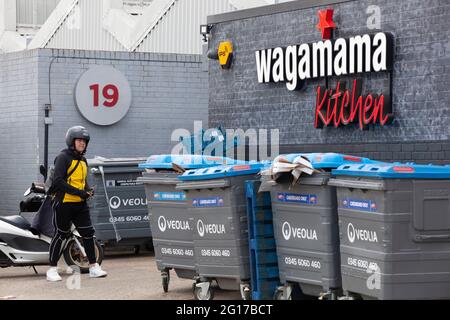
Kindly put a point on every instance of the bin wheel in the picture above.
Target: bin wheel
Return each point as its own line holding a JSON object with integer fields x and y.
{"x": 247, "y": 293}
{"x": 136, "y": 250}
{"x": 279, "y": 295}
{"x": 198, "y": 293}
{"x": 350, "y": 296}
{"x": 165, "y": 278}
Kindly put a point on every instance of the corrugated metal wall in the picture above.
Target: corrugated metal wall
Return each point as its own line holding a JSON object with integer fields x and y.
{"x": 179, "y": 30}
{"x": 34, "y": 12}
{"x": 83, "y": 30}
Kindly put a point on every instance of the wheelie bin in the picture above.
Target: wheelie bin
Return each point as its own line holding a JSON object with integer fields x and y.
{"x": 394, "y": 222}
{"x": 306, "y": 227}
{"x": 119, "y": 206}
{"x": 170, "y": 223}
{"x": 216, "y": 199}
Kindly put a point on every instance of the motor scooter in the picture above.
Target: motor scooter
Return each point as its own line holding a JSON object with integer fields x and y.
{"x": 24, "y": 246}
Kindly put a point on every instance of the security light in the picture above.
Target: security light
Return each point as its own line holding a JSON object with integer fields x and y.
{"x": 205, "y": 30}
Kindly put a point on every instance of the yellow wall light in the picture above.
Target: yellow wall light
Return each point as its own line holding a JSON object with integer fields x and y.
{"x": 225, "y": 53}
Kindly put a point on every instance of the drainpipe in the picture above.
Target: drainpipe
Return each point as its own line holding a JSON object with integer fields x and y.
{"x": 47, "y": 121}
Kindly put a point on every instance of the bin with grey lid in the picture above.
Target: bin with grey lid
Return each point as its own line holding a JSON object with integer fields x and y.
{"x": 217, "y": 202}
{"x": 119, "y": 205}
{"x": 306, "y": 227}
{"x": 394, "y": 230}
{"x": 170, "y": 222}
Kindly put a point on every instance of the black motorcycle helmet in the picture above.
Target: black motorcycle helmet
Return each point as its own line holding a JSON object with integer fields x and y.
{"x": 77, "y": 132}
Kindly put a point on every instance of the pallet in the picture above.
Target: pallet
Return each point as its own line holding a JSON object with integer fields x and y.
{"x": 263, "y": 254}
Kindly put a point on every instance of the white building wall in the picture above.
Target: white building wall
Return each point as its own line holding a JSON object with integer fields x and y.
{"x": 83, "y": 30}
{"x": 179, "y": 30}
{"x": 34, "y": 12}
{"x": 176, "y": 31}
{"x": 163, "y": 26}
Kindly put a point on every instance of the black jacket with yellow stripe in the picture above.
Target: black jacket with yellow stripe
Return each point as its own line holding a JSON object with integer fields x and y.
{"x": 74, "y": 188}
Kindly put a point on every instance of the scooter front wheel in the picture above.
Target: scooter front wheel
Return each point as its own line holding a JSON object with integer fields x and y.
{"x": 74, "y": 256}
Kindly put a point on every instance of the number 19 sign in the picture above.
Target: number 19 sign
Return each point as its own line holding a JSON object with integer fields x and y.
{"x": 103, "y": 95}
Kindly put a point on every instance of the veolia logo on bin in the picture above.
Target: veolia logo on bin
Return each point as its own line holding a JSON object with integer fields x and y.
{"x": 297, "y": 233}
{"x": 164, "y": 224}
{"x": 203, "y": 228}
{"x": 360, "y": 234}
{"x": 116, "y": 202}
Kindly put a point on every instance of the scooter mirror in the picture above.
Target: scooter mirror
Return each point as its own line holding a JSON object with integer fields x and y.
{"x": 27, "y": 192}
{"x": 43, "y": 170}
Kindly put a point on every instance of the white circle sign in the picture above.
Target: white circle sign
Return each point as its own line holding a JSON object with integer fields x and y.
{"x": 103, "y": 95}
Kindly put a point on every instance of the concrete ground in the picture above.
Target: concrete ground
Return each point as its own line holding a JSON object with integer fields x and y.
{"x": 130, "y": 276}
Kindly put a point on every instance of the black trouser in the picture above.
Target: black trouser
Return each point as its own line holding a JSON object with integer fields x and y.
{"x": 64, "y": 214}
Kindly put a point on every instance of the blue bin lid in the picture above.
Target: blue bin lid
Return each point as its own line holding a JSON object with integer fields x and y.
{"x": 394, "y": 171}
{"x": 189, "y": 161}
{"x": 226, "y": 171}
{"x": 327, "y": 160}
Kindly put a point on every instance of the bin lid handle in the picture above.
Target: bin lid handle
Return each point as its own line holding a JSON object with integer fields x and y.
{"x": 118, "y": 237}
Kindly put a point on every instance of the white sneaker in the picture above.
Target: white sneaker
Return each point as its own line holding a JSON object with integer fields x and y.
{"x": 97, "y": 272}
{"x": 52, "y": 275}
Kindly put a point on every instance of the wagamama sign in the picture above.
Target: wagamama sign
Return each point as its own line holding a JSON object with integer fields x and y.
{"x": 293, "y": 64}
{"x": 366, "y": 53}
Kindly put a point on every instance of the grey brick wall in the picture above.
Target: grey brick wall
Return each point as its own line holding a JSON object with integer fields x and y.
{"x": 168, "y": 92}
{"x": 421, "y": 78}
{"x": 18, "y": 127}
